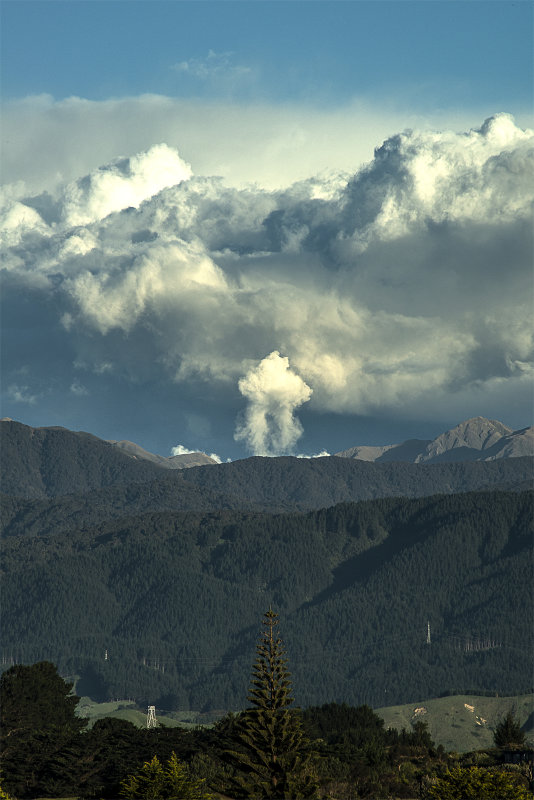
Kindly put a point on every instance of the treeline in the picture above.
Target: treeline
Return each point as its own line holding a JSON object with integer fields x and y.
{"x": 343, "y": 751}
{"x": 163, "y": 607}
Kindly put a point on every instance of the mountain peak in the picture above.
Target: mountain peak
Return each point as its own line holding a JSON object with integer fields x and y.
{"x": 477, "y": 433}
{"x": 182, "y": 461}
{"x": 475, "y": 439}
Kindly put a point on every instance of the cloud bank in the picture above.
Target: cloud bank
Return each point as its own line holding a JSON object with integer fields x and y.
{"x": 405, "y": 285}
{"x": 48, "y": 142}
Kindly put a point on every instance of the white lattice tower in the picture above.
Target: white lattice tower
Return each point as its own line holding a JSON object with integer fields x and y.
{"x": 151, "y": 721}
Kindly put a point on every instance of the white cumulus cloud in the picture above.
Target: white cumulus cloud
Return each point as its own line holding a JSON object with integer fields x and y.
{"x": 124, "y": 183}
{"x": 47, "y": 143}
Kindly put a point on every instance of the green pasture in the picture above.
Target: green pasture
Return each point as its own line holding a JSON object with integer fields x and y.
{"x": 128, "y": 710}
{"x": 450, "y": 720}
{"x": 461, "y": 723}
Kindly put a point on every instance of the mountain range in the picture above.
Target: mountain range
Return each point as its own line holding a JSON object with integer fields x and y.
{"x": 54, "y": 462}
{"x": 476, "y": 439}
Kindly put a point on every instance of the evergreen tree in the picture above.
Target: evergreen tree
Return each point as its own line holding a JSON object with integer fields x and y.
{"x": 36, "y": 698}
{"x": 39, "y": 729}
{"x": 271, "y": 755}
{"x": 508, "y": 732}
{"x": 158, "y": 782}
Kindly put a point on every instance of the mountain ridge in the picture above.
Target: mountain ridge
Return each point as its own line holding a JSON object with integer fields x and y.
{"x": 474, "y": 439}
{"x": 181, "y": 461}
{"x": 51, "y": 462}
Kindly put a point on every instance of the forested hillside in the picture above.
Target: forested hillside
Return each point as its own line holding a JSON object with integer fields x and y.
{"x": 293, "y": 483}
{"x": 163, "y": 606}
{"x": 43, "y": 462}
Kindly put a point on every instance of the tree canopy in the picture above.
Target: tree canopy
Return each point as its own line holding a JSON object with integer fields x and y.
{"x": 462, "y": 783}
{"x": 508, "y": 732}
{"x": 156, "y": 781}
{"x": 37, "y": 698}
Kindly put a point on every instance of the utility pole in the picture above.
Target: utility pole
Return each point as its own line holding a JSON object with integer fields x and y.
{"x": 428, "y": 632}
{"x": 151, "y": 721}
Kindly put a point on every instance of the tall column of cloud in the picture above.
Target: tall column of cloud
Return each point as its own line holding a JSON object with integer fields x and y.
{"x": 274, "y": 392}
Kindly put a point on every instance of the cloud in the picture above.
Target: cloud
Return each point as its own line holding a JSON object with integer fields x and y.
{"x": 181, "y": 450}
{"x": 214, "y": 66}
{"x": 21, "y": 394}
{"x": 122, "y": 184}
{"x": 402, "y": 287}
{"x": 78, "y": 389}
{"x": 17, "y": 220}
{"x": 47, "y": 143}
{"x": 274, "y": 392}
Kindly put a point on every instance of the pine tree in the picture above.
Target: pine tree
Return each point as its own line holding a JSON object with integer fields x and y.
{"x": 271, "y": 743}
{"x": 508, "y": 732}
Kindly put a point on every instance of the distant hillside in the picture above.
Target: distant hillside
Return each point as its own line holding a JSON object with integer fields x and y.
{"x": 43, "y": 462}
{"x": 182, "y": 461}
{"x": 476, "y": 439}
{"x": 462, "y": 723}
{"x": 287, "y": 483}
{"x": 174, "y": 600}
{"x": 29, "y": 517}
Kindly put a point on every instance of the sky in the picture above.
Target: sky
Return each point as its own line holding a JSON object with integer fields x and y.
{"x": 266, "y": 227}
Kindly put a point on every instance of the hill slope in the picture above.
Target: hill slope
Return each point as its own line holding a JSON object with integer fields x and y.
{"x": 175, "y": 599}
{"x": 461, "y": 723}
{"x": 43, "y": 462}
{"x": 182, "y": 461}
{"x": 292, "y": 483}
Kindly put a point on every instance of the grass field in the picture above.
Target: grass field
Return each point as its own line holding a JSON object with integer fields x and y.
{"x": 128, "y": 710}
{"x": 462, "y": 722}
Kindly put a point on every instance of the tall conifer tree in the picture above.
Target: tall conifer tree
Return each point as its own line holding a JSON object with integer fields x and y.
{"x": 271, "y": 743}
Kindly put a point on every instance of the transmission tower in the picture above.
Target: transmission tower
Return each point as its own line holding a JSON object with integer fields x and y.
{"x": 428, "y": 632}
{"x": 151, "y": 721}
